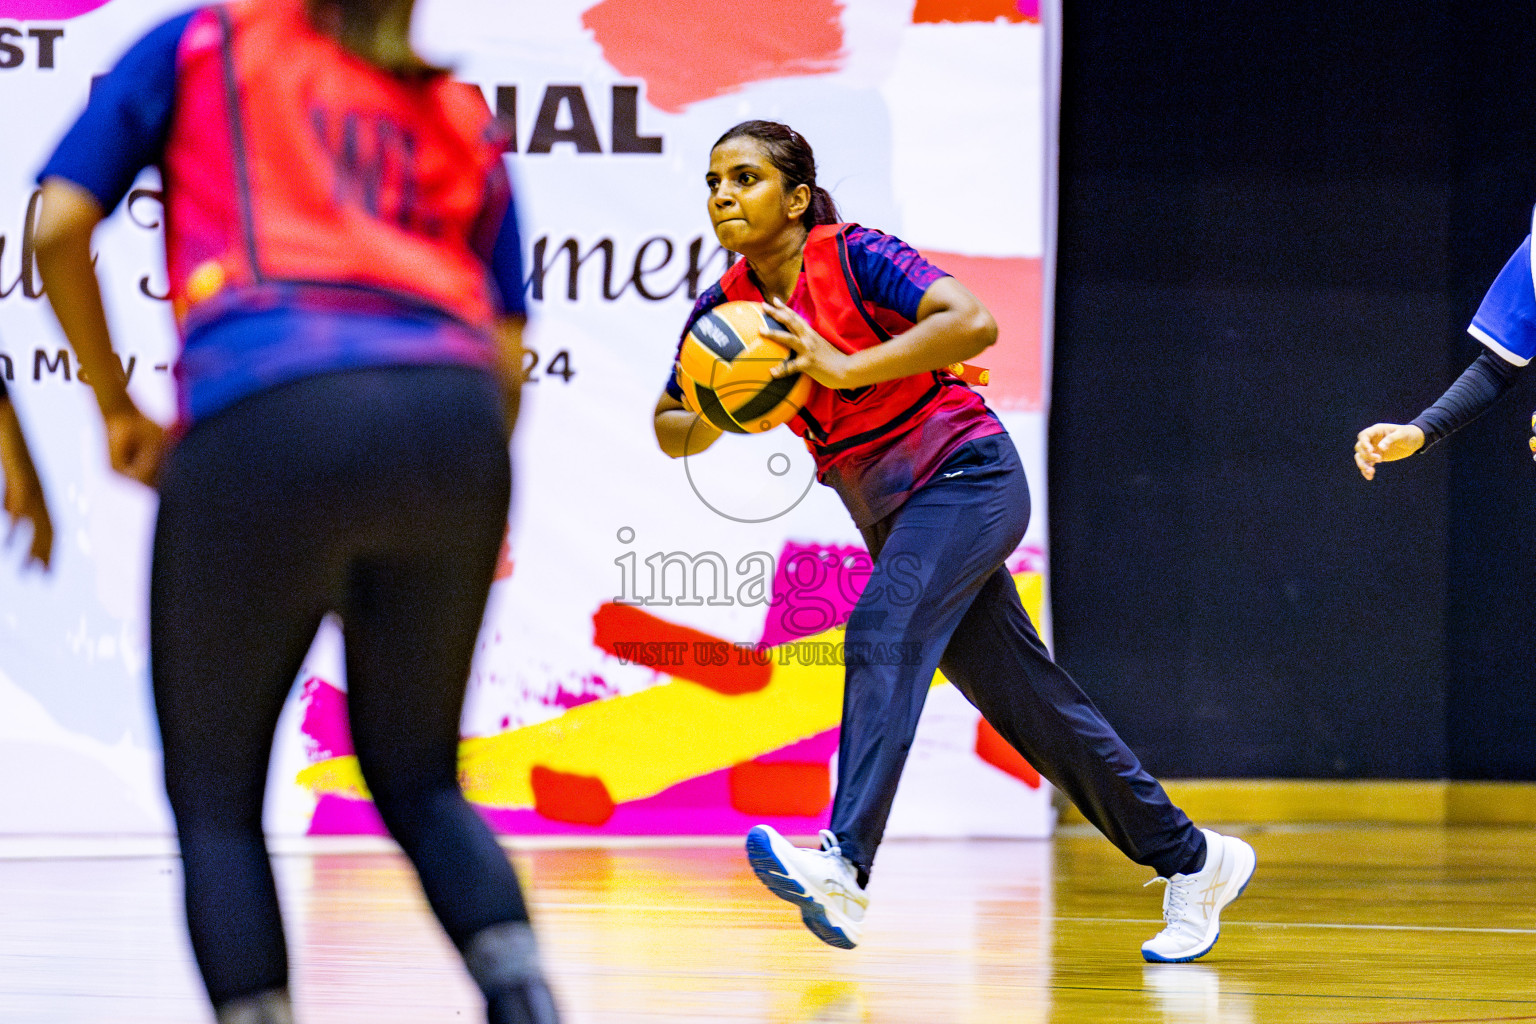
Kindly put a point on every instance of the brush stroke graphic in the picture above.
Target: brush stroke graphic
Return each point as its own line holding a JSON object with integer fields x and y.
{"x": 993, "y": 749}
{"x": 678, "y": 757}
{"x": 637, "y": 636}
{"x": 650, "y": 39}
{"x": 1010, "y": 288}
{"x": 936, "y": 11}
{"x": 47, "y": 10}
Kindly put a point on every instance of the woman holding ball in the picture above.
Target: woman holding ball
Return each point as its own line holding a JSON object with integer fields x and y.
{"x": 932, "y": 481}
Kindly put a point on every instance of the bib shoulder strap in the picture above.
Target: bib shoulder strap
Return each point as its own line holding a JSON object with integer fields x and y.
{"x": 823, "y": 233}
{"x": 838, "y": 299}
{"x": 737, "y": 284}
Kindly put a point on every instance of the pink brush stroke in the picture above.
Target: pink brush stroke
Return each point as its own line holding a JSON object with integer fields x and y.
{"x": 810, "y": 598}
{"x": 326, "y": 729}
{"x": 47, "y": 10}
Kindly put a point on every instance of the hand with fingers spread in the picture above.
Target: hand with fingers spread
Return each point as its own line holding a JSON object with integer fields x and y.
{"x": 23, "y": 491}
{"x": 1385, "y": 442}
{"x": 814, "y": 355}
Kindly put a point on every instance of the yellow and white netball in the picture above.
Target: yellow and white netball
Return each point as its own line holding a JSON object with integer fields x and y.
{"x": 724, "y": 370}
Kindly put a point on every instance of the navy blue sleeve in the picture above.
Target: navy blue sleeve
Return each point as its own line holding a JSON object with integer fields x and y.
{"x": 126, "y": 120}
{"x": 1480, "y": 385}
{"x": 499, "y": 241}
{"x": 507, "y": 264}
{"x": 889, "y": 272}
{"x": 712, "y": 296}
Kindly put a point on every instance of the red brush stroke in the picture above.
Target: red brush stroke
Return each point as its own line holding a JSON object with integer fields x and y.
{"x": 576, "y": 799}
{"x": 677, "y": 650}
{"x": 741, "y": 43}
{"x": 1010, "y": 288}
{"x": 933, "y": 11}
{"x": 504, "y": 562}
{"x": 781, "y": 787}
{"x": 994, "y": 750}
{"x": 694, "y": 807}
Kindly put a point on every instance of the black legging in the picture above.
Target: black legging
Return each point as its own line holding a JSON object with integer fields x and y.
{"x": 381, "y": 495}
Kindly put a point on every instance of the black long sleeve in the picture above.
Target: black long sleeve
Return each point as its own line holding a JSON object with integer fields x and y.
{"x": 1474, "y": 393}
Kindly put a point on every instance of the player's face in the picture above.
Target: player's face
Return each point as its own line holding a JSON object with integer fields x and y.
{"x": 747, "y": 201}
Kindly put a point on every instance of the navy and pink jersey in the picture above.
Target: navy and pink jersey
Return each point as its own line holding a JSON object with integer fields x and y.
{"x": 248, "y": 339}
{"x": 874, "y": 481}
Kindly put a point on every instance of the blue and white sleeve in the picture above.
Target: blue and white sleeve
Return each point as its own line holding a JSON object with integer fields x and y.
{"x": 1506, "y": 319}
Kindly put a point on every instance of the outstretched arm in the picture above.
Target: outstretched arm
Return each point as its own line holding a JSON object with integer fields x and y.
{"x": 23, "y": 490}
{"x": 69, "y": 214}
{"x": 1474, "y": 393}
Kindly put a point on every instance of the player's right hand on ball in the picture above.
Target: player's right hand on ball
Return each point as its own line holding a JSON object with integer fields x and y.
{"x": 1385, "y": 442}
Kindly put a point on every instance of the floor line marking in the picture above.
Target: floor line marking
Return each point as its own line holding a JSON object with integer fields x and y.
{"x": 1455, "y": 1020}
{"x": 1336, "y": 926}
{"x": 1395, "y": 997}
{"x": 656, "y": 908}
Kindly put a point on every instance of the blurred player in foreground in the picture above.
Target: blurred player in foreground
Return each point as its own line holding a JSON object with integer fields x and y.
{"x": 934, "y": 484}
{"x": 1505, "y": 323}
{"x": 23, "y": 490}
{"x": 344, "y": 272}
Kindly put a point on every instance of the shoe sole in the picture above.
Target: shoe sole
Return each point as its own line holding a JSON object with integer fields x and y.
{"x": 1153, "y": 958}
{"x": 779, "y": 879}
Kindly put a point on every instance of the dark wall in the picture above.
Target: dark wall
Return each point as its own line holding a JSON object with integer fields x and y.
{"x": 1266, "y": 243}
{"x": 1491, "y": 606}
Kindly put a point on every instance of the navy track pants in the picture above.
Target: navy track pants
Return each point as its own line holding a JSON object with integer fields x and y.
{"x": 939, "y": 586}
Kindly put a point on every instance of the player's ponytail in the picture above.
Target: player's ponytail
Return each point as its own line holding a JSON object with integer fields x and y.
{"x": 822, "y": 210}
{"x": 378, "y": 31}
{"x": 791, "y": 155}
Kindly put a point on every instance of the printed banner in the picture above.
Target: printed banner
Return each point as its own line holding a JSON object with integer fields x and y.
{"x": 662, "y": 653}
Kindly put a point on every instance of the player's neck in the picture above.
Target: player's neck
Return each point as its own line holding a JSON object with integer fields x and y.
{"x": 777, "y": 270}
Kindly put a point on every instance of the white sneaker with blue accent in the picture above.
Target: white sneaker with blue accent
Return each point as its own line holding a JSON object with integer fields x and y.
{"x": 1193, "y": 903}
{"x": 822, "y": 883}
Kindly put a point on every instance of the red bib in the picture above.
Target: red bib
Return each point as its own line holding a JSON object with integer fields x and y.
{"x": 290, "y": 160}
{"x": 834, "y": 422}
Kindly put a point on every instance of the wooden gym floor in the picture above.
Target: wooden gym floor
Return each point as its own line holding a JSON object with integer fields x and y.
{"x": 1362, "y": 924}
